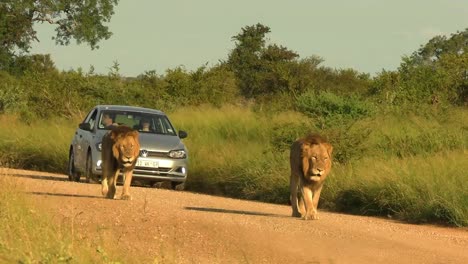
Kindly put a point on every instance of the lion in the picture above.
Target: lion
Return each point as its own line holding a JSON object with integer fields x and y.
{"x": 310, "y": 160}
{"x": 120, "y": 151}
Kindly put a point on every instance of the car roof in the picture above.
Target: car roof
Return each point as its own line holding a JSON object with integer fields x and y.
{"x": 128, "y": 108}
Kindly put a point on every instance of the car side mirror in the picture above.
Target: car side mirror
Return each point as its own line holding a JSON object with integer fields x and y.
{"x": 182, "y": 134}
{"x": 85, "y": 126}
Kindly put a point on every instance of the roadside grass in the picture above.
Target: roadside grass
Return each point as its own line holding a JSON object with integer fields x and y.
{"x": 231, "y": 154}
{"x": 415, "y": 189}
{"x": 27, "y": 235}
{"x": 41, "y": 145}
{"x": 403, "y": 165}
{"x": 397, "y": 135}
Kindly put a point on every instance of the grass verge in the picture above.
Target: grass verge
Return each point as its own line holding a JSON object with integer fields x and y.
{"x": 27, "y": 235}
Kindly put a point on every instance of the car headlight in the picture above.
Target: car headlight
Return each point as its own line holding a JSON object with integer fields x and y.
{"x": 177, "y": 154}
{"x": 99, "y": 146}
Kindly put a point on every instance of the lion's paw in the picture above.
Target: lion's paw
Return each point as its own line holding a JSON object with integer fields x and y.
{"x": 296, "y": 214}
{"x": 310, "y": 217}
{"x": 126, "y": 197}
{"x": 110, "y": 195}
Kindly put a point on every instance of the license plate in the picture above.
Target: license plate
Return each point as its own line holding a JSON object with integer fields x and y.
{"x": 147, "y": 163}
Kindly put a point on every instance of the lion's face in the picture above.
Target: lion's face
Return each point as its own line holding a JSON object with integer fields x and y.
{"x": 126, "y": 147}
{"x": 316, "y": 161}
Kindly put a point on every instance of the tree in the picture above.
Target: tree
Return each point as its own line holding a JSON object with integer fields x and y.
{"x": 33, "y": 63}
{"x": 436, "y": 72}
{"x": 260, "y": 69}
{"x": 432, "y": 51}
{"x": 83, "y": 21}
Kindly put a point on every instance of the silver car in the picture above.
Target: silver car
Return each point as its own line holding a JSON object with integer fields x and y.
{"x": 163, "y": 156}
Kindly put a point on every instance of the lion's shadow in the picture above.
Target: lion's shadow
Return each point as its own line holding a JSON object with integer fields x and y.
{"x": 230, "y": 211}
{"x": 37, "y": 177}
{"x": 66, "y": 195}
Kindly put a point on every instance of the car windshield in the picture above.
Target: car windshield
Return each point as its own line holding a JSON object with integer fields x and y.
{"x": 143, "y": 122}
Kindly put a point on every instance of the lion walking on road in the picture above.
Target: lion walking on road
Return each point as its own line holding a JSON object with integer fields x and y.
{"x": 310, "y": 160}
{"x": 120, "y": 151}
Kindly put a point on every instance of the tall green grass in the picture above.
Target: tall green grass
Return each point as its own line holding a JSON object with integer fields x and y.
{"x": 416, "y": 189}
{"x": 231, "y": 153}
{"x": 27, "y": 235}
{"x": 405, "y": 166}
{"x": 409, "y": 134}
{"x": 40, "y": 145}
{"x": 410, "y": 166}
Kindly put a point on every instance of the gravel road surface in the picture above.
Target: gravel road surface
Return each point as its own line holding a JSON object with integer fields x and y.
{"x": 165, "y": 226}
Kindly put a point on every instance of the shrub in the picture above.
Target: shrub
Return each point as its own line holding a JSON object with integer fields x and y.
{"x": 331, "y": 109}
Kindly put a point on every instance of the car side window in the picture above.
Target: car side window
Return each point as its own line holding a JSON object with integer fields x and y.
{"x": 158, "y": 126}
{"x": 167, "y": 126}
{"x": 92, "y": 119}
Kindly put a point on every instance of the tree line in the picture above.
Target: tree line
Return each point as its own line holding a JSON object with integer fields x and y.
{"x": 267, "y": 74}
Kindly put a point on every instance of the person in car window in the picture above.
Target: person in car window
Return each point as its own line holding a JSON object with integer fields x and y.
{"x": 107, "y": 120}
{"x": 145, "y": 125}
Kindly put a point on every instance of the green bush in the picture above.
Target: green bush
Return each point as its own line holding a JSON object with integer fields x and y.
{"x": 349, "y": 141}
{"x": 283, "y": 135}
{"x": 331, "y": 109}
{"x": 12, "y": 97}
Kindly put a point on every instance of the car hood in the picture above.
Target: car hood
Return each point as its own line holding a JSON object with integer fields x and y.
{"x": 153, "y": 142}
{"x": 161, "y": 143}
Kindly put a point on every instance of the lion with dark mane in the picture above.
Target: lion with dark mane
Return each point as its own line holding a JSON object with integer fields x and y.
{"x": 310, "y": 160}
{"x": 120, "y": 151}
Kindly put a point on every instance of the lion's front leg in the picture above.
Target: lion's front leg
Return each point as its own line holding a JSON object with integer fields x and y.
{"x": 302, "y": 209}
{"x": 104, "y": 186}
{"x": 106, "y": 175}
{"x": 112, "y": 183}
{"x": 315, "y": 200}
{"x": 126, "y": 187}
{"x": 293, "y": 185}
{"x": 310, "y": 211}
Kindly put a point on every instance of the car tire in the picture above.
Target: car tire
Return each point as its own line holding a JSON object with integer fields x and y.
{"x": 156, "y": 184}
{"x": 178, "y": 186}
{"x": 73, "y": 174}
{"x": 90, "y": 177}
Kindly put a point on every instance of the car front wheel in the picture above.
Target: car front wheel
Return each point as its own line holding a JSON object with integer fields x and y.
{"x": 178, "y": 186}
{"x": 73, "y": 174}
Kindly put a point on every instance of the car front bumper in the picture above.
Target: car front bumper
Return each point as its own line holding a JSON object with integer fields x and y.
{"x": 174, "y": 170}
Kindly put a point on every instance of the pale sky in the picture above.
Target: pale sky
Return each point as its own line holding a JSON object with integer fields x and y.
{"x": 365, "y": 35}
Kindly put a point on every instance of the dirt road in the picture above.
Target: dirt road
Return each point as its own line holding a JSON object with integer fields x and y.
{"x": 165, "y": 226}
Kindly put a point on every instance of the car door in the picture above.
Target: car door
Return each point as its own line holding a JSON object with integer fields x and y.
{"x": 84, "y": 134}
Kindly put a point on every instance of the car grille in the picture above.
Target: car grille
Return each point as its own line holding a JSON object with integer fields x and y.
{"x": 151, "y": 171}
{"x": 156, "y": 154}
